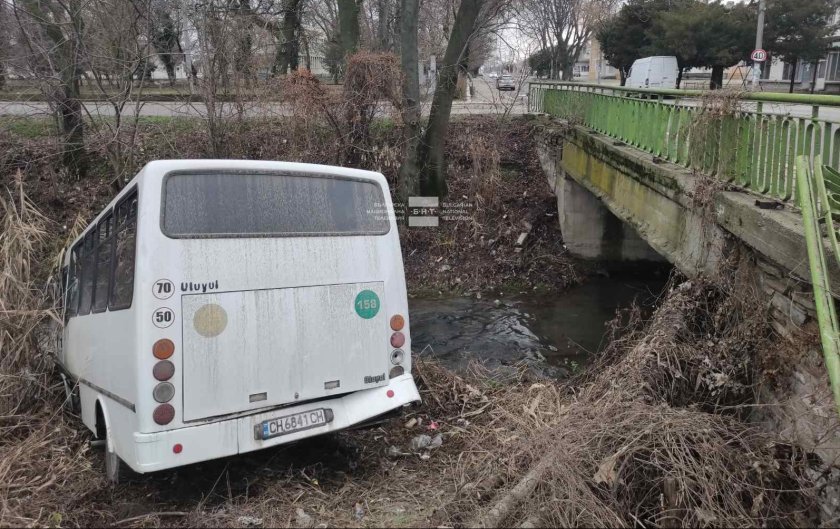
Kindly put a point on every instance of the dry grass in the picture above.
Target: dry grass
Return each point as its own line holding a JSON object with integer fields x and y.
{"x": 42, "y": 453}
{"x": 655, "y": 434}
{"x": 22, "y": 237}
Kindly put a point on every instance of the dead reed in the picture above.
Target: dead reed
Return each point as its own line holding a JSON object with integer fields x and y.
{"x": 42, "y": 463}
{"x": 654, "y": 435}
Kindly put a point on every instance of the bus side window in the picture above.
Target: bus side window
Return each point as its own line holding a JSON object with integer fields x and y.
{"x": 122, "y": 281}
{"x": 102, "y": 283}
{"x": 73, "y": 281}
{"x": 88, "y": 272}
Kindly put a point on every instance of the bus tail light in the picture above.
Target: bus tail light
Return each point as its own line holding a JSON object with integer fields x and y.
{"x": 397, "y": 356}
{"x": 164, "y": 414}
{"x": 163, "y": 370}
{"x": 177, "y": 448}
{"x": 397, "y": 339}
{"x": 163, "y": 349}
{"x": 163, "y": 392}
{"x": 397, "y": 322}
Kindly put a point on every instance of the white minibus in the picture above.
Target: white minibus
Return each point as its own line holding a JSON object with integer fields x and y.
{"x": 217, "y": 307}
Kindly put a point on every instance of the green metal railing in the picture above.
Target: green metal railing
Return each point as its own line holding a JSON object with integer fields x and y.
{"x": 751, "y": 139}
{"x": 766, "y": 142}
{"x": 818, "y": 198}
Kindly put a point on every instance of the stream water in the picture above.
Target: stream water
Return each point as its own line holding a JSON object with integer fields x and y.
{"x": 554, "y": 334}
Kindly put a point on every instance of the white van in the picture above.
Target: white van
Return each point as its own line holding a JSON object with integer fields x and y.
{"x": 653, "y": 72}
{"x": 217, "y": 307}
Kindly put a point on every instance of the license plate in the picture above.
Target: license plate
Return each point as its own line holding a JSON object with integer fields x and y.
{"x": 293, "y": 423}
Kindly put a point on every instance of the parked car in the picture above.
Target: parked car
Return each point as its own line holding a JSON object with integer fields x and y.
{"x": 492, "y": 75}
{"x": 653, "y": 72}
{"x": 505, "y": 82}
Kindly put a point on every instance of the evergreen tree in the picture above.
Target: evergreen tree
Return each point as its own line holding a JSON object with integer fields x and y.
{"x": 799, "y": 30}
{"x": 706, "y": 35}
{"x": 165, "y": 39}
{"x": 625, "y": 37}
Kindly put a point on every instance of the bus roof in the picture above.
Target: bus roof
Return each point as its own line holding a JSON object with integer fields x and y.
{"x": 165, "y": 166}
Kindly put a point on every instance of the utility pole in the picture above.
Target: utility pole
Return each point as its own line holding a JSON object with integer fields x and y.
{"x": 759, "y": 37}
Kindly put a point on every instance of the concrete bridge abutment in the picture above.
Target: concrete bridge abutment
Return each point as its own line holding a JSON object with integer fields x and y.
{"x": 592, "y": 232}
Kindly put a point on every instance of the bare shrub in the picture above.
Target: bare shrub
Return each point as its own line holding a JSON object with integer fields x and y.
{"x": 371, "y": 79}
{"x": 314, "y": 108}
{"x": 709, "y": 139}
{"x": 42, "y": 455}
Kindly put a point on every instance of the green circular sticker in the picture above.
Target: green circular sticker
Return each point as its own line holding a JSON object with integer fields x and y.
{"x": 367, "y": 304}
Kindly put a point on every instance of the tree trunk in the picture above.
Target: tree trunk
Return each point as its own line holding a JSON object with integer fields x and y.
{"x": 409, "y": 12}
{"x": 815, "y": 67}
{"x": 307, "y": 56}
{"x": 348, "y": 25}
{"x": 72, "y": 122}
{"x": 679, "y": 76}
{"x": 792, "y": 75}
{"x": 289, "y": 50}
{"x": 622, "y": 76}
{"x": 384, "y": 18}
{"x": 65, "y": 57}
{"x": 567, "y": 63}
{"x": 431, "y": 157}
{"x": 461, "y": 86}
{"x": 716, "y": 82}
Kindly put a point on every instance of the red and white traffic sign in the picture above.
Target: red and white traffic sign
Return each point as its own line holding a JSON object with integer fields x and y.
{"x": 758, "y": 55}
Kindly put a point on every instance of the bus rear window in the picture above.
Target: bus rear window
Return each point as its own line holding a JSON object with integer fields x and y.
{"x": 270, "y": 204}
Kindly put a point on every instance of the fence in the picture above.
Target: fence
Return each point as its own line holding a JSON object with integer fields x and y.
{"x": 749, "y": 139}
{"x": 818, "y": 200}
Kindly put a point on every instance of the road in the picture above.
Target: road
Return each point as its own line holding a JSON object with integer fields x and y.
{"x": 487, "y": 100}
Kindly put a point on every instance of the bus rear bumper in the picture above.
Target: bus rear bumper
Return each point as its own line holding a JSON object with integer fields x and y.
{"x": 157, "y": 451}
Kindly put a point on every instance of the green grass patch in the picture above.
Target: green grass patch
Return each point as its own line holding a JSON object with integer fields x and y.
{"x": 28, "y": 126}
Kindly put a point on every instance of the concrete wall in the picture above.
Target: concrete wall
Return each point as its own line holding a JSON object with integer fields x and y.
{"x": 590, "y": 230}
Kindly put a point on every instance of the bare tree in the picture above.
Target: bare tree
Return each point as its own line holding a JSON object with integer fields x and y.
{"x": 289, "y": 38}
{"x": 563, "y": 28}
{"x": 348, "y": 25}
{"x": 51, "y": 33}
{"x": 117, "y": 50}
{"x": 409, "y": 10}
{"x": 473, "y": 18}
{"x": 226, "y": 63}
{"x": 5, "y": 41}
